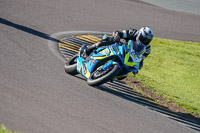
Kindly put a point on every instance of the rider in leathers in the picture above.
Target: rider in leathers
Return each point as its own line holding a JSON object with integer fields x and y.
{"x": 144, "y": 35}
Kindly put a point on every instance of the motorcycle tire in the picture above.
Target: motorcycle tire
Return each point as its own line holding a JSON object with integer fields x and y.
{"x": 70, "y": 66}
{"x": 103, "y": 79}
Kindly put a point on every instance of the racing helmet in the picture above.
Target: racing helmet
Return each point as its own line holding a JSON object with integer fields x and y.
{"x": 145, "y": 35}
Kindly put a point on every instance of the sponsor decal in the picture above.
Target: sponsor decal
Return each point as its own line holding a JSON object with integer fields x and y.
{"x": 84, "y": 68}
{"x": 94, "y": 61}
{"x": 101, "y": 53}
{"x": 105, "y": 52}
{"x": 79, "y": 66}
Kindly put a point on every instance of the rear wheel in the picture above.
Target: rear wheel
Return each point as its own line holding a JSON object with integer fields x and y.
{"x": 99, "y": 76}
{"x": 70, "y": 66}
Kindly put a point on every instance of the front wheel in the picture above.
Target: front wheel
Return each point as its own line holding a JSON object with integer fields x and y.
{"x": 70, "y": 66}
{"x": 99, "y": 77}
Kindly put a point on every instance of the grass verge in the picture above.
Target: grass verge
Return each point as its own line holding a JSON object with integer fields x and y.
{"x": 4, "y": 130}
{"x": 172, "y": 70}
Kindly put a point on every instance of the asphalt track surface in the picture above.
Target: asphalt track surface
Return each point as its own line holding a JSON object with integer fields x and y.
{"x": 189, "y": 6}
{"x": 36, "y": 96}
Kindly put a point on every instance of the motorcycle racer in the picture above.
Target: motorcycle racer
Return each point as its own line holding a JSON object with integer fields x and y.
{"x": 143, "y": 36}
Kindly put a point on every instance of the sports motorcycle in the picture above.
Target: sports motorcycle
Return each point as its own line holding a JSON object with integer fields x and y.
{"x": 107, "y": 63}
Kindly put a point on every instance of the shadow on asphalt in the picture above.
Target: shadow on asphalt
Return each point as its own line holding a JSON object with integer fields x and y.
{"x": 186, "y": 119}
{"x": 28, "y": 30}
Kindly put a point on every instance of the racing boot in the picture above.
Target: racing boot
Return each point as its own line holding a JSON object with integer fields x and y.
{"x": 88, "y": 50}
{"x": 85, "y": 50}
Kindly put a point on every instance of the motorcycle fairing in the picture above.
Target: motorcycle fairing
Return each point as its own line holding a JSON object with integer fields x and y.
{"x": 86, "y": 66}
{"x": 106, "y": 56}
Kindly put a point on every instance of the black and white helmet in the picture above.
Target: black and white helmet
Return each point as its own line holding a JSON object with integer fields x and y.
{"x": 145, "y": 35}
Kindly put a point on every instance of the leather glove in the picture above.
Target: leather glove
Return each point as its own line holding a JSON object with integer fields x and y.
{"x": 116, "y": 37}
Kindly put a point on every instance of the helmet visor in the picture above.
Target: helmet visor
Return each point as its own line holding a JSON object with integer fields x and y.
{"x": 145, "y": 39}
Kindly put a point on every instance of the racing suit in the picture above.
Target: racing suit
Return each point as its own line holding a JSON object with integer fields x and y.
{"x": 131, "y": 34}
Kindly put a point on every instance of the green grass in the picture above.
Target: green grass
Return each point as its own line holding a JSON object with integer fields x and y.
{"x": 172, "y": 70}
{"x": 4, "y": 130}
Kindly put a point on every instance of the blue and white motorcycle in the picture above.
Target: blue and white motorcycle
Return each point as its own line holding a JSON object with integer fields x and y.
{"x": 107, "y": 63}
